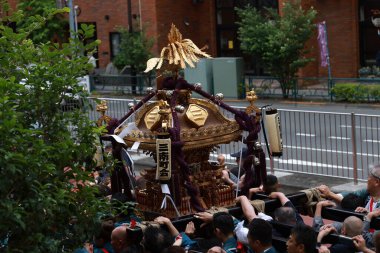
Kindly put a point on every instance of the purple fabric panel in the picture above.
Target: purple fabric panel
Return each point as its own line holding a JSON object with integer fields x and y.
{"x": 322, "y": 42}
{"x": 177, "y": 144}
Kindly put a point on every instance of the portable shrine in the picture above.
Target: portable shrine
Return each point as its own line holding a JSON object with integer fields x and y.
{"x": 180, "y": 132}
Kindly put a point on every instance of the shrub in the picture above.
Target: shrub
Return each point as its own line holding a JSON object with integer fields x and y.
{"x": 374, "y": 91}
{"x": 344, "y": 92}
{"x": 365, "y": 71}
{"x": 373, "y": 71}
{"x": 356, "y": 92}
{"x": 134, "y": 50}
{"x": 45, "y": 154}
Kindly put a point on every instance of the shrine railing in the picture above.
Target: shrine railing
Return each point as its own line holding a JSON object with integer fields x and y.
{"x": 360, "y": 89}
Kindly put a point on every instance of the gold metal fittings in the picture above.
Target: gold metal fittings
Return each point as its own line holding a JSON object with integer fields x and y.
{"x": 196, "y": 115}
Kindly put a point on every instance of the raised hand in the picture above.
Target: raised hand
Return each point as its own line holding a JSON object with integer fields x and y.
{"x": 190, "y": 228}
{"x": 361, "y": 210}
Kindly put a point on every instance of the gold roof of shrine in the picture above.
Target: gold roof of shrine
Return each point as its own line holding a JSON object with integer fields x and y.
{"x": 201, "y": 124}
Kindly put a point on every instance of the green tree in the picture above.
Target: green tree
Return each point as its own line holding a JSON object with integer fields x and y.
{"x": 56, "y": 27}
{"x": 134, "y": 50}
{"x": 278, "y": 40}
{"x": 46, "y": 155}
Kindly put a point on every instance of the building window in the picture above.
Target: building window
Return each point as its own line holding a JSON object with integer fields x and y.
{"x": 115, "y": 39}
{"x": 369, "y": 37}
{"x": 226, "y": 30}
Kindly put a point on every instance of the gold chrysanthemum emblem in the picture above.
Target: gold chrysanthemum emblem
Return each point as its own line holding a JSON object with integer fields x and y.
{"x": 178, "y": 52}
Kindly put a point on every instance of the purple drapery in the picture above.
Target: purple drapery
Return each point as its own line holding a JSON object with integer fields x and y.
{"x": 322, "y": 42}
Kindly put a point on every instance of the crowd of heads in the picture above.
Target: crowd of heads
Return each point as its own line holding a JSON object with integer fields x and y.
{"x": 223, "y": 225}
{"x": 259, "y": 232}
{"x": 156, "y": 240}
{"x": 259, "y": 235}
{"x": 302, "y": 239}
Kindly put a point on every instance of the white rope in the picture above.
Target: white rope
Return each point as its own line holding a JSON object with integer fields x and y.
{"x": 165, "y": 190}
{"x": 164, "y": 204}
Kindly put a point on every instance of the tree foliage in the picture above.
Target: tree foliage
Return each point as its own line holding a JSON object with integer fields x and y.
{"x": 56, "y": 27}
{"x": 44, "y": 152}
{"x": 134, "y": 50}
{"x": 278, "y": 40}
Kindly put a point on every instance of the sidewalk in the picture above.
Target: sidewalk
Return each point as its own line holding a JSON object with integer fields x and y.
{"x": 290, "y": 182}
{"x": 299, "y": 181}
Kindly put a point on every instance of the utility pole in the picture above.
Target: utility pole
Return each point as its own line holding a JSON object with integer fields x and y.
{"x": 130, "y": 30}
{"x": 71, "y": 18}
{"x": 130, "y": 27}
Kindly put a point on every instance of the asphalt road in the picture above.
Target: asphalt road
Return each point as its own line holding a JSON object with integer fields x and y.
{"x": 318, "y": 137}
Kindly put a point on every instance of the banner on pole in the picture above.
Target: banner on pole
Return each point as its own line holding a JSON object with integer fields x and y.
{"x": 322, "y": 42}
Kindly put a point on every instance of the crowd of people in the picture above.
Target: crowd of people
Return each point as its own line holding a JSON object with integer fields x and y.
{"x": 220, "y": 232}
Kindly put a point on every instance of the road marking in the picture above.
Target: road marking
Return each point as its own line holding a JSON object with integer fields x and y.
{"x": 339, "y": 138}
{"x": 329, "y": 151}
{"x": 308, "y": 163}
{"x": 305, "y": 134}
{"x": 359, "y": 127}
{"x": 376, "y": 141}
{"x": 304, "y": 103}
{"x": 229, "y": 157}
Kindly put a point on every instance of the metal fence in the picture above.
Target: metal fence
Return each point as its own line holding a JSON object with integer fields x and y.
{"x": 333, "y": 144}
{"x": 125, "y": 84}
{"x": 117, "y": 108}
{"x": 265, "y": 86}
{"x": 323, "y": 143}
{"x": 306, "y": 87}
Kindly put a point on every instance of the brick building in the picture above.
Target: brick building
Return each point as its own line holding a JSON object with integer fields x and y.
{"x": 195, "y": 21}
{"x": 353, "y": 39}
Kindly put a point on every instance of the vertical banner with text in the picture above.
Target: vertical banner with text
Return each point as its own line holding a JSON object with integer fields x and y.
{"x": 163, "y": 148}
